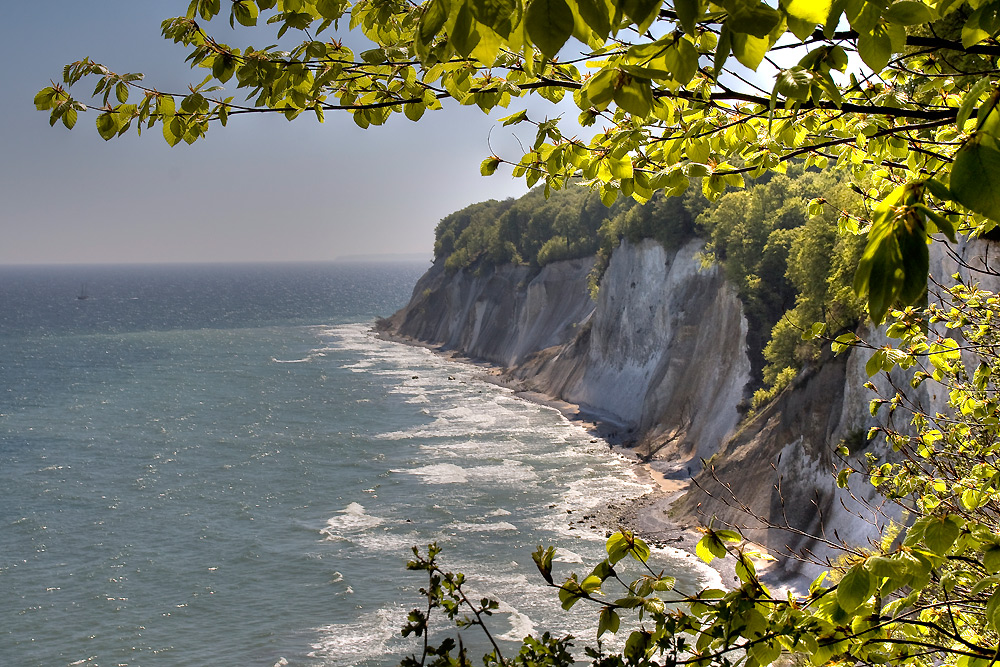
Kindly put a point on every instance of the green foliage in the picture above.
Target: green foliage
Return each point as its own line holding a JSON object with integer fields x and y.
{"x": 535, "y": 229}
{"x": 791, "y": 268}
{"x": 778, "y": 243}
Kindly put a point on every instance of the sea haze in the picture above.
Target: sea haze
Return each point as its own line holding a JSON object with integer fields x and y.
{"x": 222, "y": 465}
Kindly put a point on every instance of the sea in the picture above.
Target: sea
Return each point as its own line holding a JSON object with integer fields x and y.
{"x": 223, "y": 465}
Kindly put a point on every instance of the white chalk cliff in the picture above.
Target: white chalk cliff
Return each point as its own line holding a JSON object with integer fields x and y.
{"x": 662, "y": 356}
{"x": 661, "y": 353}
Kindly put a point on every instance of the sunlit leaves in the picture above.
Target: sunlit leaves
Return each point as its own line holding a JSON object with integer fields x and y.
{"x": 855, "y": 588}
{"x": 940, "y": 533}
{"x": 877, "y": 46}
{"x": 895, "y": 261}
{"x": 909, "y": 12}
{"x": 811, "y": 11}
{"x": 975, "y": 177}
{"x": 549, "y": 23}
{"x": 609, "y": 621}
{"x": 642, "y": 12}
{"x": 648, "y": 77}
{"x": 688, "y": 13}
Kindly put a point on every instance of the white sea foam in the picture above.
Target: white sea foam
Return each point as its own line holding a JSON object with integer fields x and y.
{"x": 439, "y": 473}
{"x": 371, "y": 636}
{"x": 509, "y": 472}
{"x": 311, "y": 356}
{"x": 520, "y": 624}
{"x": 483, "y": 527}
{"x": 352, "y": 519}
{"x": 567, "y": 556}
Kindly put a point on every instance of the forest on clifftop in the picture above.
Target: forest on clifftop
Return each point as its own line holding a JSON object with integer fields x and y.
{"x": 780, "y": 250}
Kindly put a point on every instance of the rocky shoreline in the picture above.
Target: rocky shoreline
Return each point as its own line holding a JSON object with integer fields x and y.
{"x": 649, "y": 516}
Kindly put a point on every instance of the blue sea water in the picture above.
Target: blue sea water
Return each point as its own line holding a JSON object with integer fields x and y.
{"x": 222, "y": 465}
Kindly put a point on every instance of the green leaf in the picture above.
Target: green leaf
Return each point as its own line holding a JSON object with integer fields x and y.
{"x": 245, "y": 13}
{"x": 515, "y": 118}
{"x": 642, "y": 12}
{"x": 681, "y": 60}
{"x": 855, "y": 588}
{"x": 629, "y": 602}
{"x": 938, "y": 189}
{"x": 730, "y": 536}
{"x": 991, "y": 559}
{"x": 640, "y": 550}
{"x": 688, "y": 14}
{"x": 464, "y": 36}
{"x": 894, "y": 263}
{"x": 543, "y": 561}
{"x": 993, "y": 611}
{"x": 617, "y": 547}
{"x": 329, "y": 9}
{"x": 794, "y": 83}
{"x": 489, "y": 166}
{"x": 635, "y": 96}
{"x": 549, "y": 24}
{"x": 636, "y": 646}
{"x": 874, "y": 364}
{"x": 173, "y": 131}
{"x": 909, "y": 12}
{"x": 749, "y": 50}
{"x": 975, "y": 178}
{"x": 45, "y": 99}
{"x": 766, "y": 652}
{"x": 722, "y": 49}
{"x": 570, "y": 592}
{"x": 414, "y": 110}
{"x": 492, "y": 12}
{"x": 751, "y": 16}
{"x": 106, "y": 126}
{"x": 815, "y": 331}
{"x": 608, "y": 622}
{"x": 600, "y": 89}
{"x": 591, "y": 584}
{"x": 812, "y": 11}
{"x": 710, "y": 547}
{"x": 433, "y": 18}
{"x": 69, "y": 118}
{"x": 940, "y": 533}
{"x": 875, "y": 48}
{"x": 165, "y": 106}
{"x": 980, "y": 26}
{"x": 597, "y": 15}
{"x": 603, "y": 570}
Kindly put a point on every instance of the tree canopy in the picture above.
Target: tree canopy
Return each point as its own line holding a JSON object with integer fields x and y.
{"x": 901, "y": 93}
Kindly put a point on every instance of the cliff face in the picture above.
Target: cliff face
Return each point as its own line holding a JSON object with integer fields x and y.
{"x": 503, "y": 315}
{"x": 662, "y": 353}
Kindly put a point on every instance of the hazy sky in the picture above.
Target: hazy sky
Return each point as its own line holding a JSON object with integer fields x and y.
{"x": 260, "y": 189}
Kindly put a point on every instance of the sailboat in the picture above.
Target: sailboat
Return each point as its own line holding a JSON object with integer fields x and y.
{"x": 83, "y": 292}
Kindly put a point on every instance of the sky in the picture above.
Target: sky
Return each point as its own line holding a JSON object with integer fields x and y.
{"x": 261, "y": 189}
